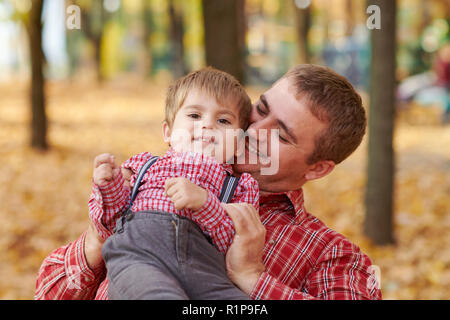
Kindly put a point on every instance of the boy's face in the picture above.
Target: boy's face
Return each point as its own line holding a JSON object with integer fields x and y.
{"x": 203, "y": 125}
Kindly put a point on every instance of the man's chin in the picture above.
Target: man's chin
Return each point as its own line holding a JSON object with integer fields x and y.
{"x": 253, "y": 169}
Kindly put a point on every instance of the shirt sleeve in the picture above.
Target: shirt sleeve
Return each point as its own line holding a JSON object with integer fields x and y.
{"x": 214, "y": 220}
{"x": 213, "y": 217}
{"x": 65, "y": 274}
{"x": 135, "y": 163}
{"x": 342, "y": 273}
{"x": 109, "y": 201}
{"x": 247, "y": 191}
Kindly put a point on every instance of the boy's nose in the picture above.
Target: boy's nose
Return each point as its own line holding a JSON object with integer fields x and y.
{"x": 208, "y": 123}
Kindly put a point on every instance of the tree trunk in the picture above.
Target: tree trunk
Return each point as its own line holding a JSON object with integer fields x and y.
{"x": 93, "y": 20}
{"x": 38, "y": 115}
{"x": 350, "y": 17}
{"x": 378, "y": 224}
{"x": 176, "y": 39}
{"x": 147, "y": 18}
{"x": 224, "y": 24}
{"x": 303, "y": 23}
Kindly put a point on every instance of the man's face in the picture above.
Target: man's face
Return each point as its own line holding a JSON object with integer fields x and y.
{"x": 279, "y": 109}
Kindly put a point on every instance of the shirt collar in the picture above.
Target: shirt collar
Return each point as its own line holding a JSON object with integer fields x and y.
{"x": 226, "y": 166}
{"x": 295, "y": 198}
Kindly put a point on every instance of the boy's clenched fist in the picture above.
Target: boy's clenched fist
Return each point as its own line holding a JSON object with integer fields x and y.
{"x": 185, "y": 194}
{"x": 105, "y": 169}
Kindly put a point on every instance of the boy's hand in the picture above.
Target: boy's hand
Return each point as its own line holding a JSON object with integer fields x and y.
{"x": 127, "y": 173}
{"x": 185, "y": 194}
{"x": 105, "y": 169}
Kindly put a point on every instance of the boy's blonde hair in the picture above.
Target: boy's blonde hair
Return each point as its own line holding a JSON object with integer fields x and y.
{"x": 218, "y": 84}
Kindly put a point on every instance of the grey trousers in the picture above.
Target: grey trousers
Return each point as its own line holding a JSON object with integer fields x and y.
{"x": 163, "y": 256}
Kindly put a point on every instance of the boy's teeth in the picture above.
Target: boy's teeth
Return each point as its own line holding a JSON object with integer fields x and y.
{"x": 205, "y": 139}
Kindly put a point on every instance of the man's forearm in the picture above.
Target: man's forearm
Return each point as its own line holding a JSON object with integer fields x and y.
{"x": 65, "y": 274}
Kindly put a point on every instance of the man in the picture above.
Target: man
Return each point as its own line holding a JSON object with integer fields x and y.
{"x": 282, "y": 252}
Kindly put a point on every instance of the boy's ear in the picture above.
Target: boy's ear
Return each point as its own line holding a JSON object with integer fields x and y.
{"x": 166, "y": 132}
{"x": 319, "y": 169}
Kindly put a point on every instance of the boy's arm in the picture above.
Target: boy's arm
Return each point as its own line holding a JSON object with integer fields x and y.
{"x": 106, "y": 204}
{"x": 109, "y": 200}
{"x": 214, "y": 217}
{"x": 247, "y": 191}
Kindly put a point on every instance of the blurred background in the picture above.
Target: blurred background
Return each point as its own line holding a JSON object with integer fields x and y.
{"x": 80, "y": 77}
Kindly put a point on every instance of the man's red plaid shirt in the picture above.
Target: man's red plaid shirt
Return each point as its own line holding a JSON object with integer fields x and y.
{"x": 304, "y": 259}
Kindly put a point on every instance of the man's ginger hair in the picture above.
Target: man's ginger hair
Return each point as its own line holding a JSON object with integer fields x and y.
{"x": 332, "y": 99}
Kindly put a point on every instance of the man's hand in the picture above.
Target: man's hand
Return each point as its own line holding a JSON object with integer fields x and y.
{"x": 244, "y": 257}
{"x": 184, "y": 194}
{"x": 105, "y": 169}
{"x": 93, "y": 248}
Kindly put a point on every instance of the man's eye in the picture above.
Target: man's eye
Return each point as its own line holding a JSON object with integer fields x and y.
{"x": 194, "y": 115}
{"x": 283, "y": 139}
{"x": 260, "y": 111}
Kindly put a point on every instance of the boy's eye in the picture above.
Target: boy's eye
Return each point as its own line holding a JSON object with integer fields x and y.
{"x": 224, "y": 121}
{"x": 194, "y": 115}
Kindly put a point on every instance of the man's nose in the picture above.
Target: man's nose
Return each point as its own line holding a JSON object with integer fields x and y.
{"x": 260, "y": 129}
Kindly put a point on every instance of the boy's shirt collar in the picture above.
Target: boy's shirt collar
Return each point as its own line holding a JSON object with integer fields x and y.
{"x": 172, "y": 153}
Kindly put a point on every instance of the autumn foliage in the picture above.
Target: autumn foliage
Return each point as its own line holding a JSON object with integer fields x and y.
{"x": 44, "y": 195}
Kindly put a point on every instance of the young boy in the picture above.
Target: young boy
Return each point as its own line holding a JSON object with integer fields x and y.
{"x": 163, "y": 249}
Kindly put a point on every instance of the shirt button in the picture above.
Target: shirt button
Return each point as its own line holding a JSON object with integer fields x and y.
{"x": 87, "y": 279}
{"x": 271, "y": 241}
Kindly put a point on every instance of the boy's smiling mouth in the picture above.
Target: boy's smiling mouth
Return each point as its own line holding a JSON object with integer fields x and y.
{"x": 206, "y": 139}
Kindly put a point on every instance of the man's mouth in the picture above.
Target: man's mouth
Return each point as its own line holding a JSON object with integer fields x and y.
{"x": 251, "y": 148}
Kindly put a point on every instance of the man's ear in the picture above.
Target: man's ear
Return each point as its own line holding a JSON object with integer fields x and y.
{"x": 166, "y": 132}
{"x": 319, "y": 169}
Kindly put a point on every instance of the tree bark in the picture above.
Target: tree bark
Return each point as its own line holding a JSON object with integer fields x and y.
{"x": 179, "y": 67}
{"x": 303, "y": 23}
{"x": 38, "y": 115}
{"x": 224, "y": 24}
{"x": 147, "y": 18}
{"x": 378, "y": 224}
{"x": 93, "y": 20}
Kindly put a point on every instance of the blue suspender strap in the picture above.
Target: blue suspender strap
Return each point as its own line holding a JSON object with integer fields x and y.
{"x": 138, "y": 181}
{"x": 127, "y": 214}
{"x": 229, "y": 186}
